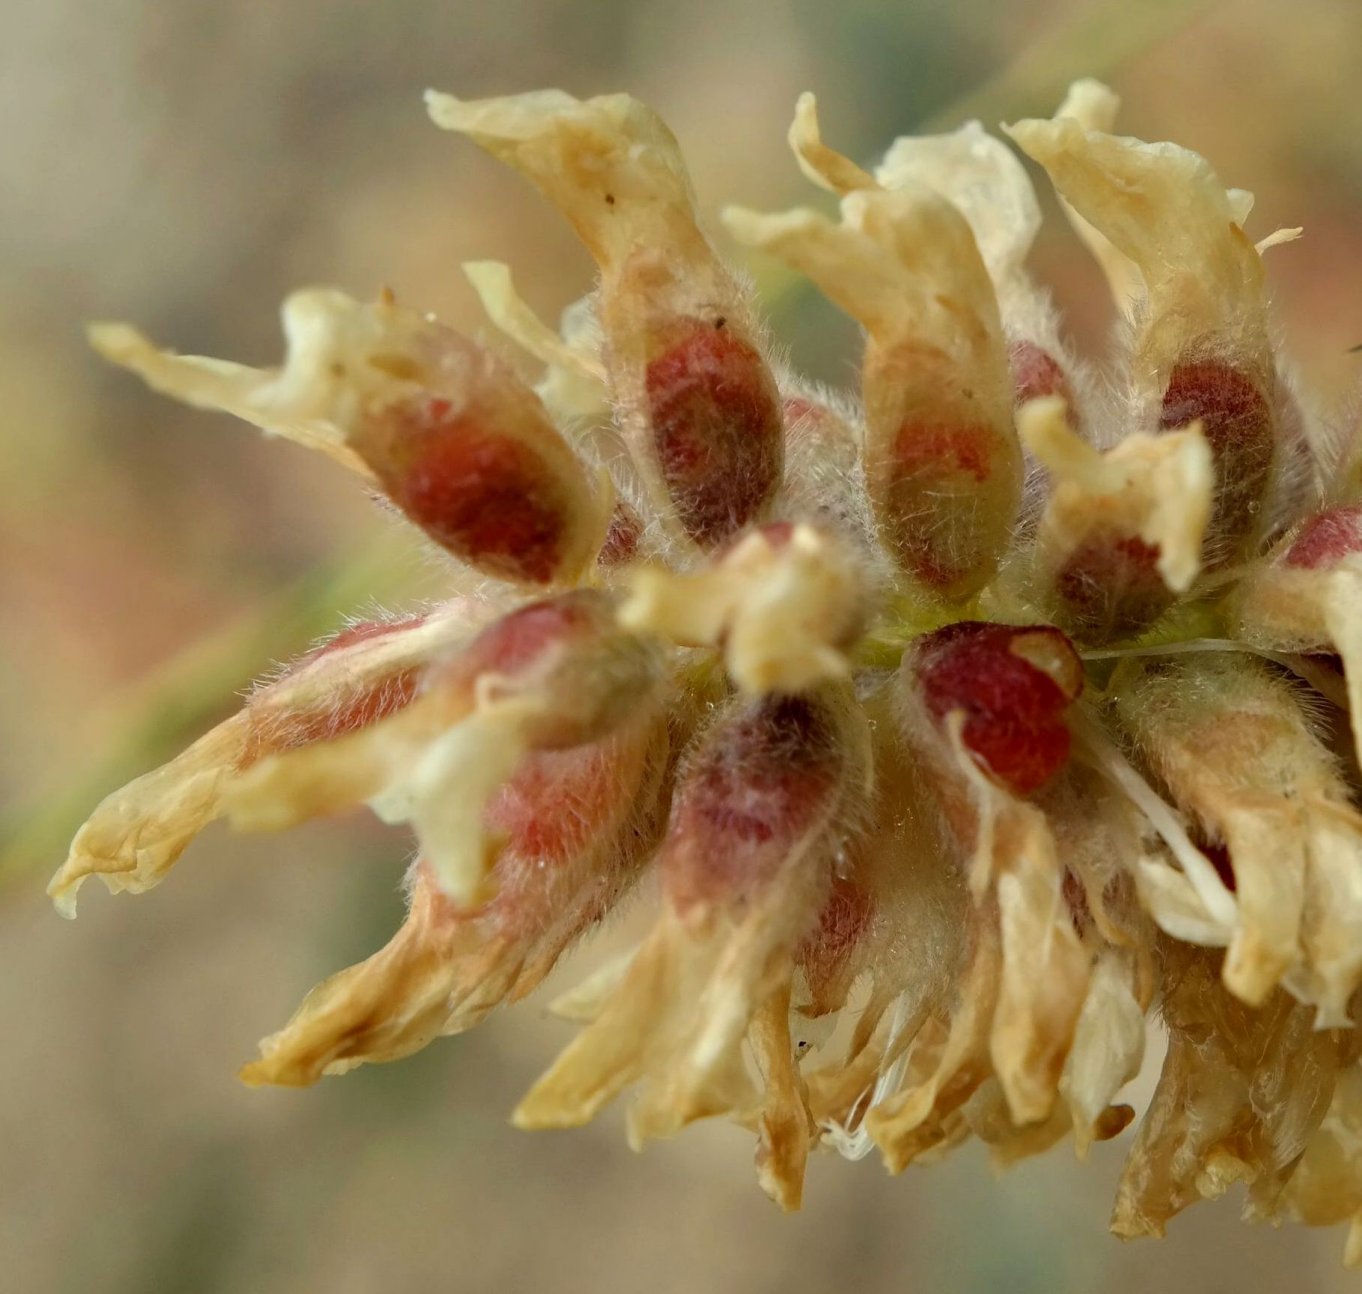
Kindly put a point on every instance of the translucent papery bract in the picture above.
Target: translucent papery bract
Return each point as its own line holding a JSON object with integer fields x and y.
{"x": 759, "y": 810}
{"x": 785, "y": 602}
{"x": 942, "y": 461}
{"x": 1326, "y": 1186}
{"x": 1202, "y": 349}
{"x": 576, "y": 826}
{"x": 682, "y": 345}
{"x": 574, "y": 384}
{"x": 1273, "y": 796}
{"x": 984, "y": 179}
{"x": 1242, "y": 1091}
{"x": 550, "y": 675}
{"x": 451, "y": 435}
{"x": 1121, "y": 533}
{"x": 364, "y": 674}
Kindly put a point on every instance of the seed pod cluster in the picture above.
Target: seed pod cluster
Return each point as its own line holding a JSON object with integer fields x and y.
{"x": 998, "y": 708}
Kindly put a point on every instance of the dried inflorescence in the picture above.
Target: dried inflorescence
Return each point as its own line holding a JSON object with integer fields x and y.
{"x": 997, "y": 712}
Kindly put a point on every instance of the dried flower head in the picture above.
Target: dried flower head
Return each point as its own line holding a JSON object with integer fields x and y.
{"x": 995, "y": 711}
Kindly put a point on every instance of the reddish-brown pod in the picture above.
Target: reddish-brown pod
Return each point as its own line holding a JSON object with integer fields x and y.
{"x": 1110, "y": 587}
{"x": 1036, "y": 373}
{"x": 275, "y": 725}
{"x": 716, "y": 427}
{"x": 1326, "y": 538}
{"x": 568, "y": 650}
{"x": 623, "y": 536}
{"x": 826, "y": 953}
{"x": 493, "y": 499}
{"x": 1237, "y": 422}
{"x": 1011, "y": 685}
{"x": 763, "y": 779}
{"x": 943, "y": 466}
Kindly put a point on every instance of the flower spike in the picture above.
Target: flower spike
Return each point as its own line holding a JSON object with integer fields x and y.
{"x": 955, "y": 731}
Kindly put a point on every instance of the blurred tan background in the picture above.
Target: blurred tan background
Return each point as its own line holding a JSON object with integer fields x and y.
{"x": 185, "y": 165}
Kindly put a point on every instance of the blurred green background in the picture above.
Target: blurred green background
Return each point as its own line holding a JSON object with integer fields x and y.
{"x": 185, "y": 166}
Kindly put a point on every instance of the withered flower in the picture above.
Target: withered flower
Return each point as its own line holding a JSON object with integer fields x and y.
{"x": 996, "y": 712}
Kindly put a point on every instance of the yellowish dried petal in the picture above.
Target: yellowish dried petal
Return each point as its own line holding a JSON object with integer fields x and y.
{"x": 721, "y": 956}
{"x": 825, "y": 166}
{"x": 948, "y": 1062}
{"x": 1273, "y": 795}
{"x": 575, "y": 383}
{"x": 905, "y": 944}
{"x": 1164, "y": 208}
{"x": 1045, "y": 966}
{"x": 1326, "y": 1186}
{"x": 1108, "y": 1045}
{"x": 785, "y": 1127}
{"x": 1095, "y": 106}
{"x": 982, "y": 177}
{"x": 451, "y": 435}
{"x": 579, "y": 151}
{"x": 1154, "y": 488}
{"x": 139, "y": 832}
{"x": 784, "y": 604}
{"x": 248, "y": 393}
{"x": 1241, "y": 1093}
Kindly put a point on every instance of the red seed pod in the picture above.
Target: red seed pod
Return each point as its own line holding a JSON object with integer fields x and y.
{"x": 1011, "y": 684}
{"x": 715, "y": 421}
{"x": 550, "y": 675}
{"x": 277, "y": 723}
{"x": 622, "y": 537}
{"x": 495, "y": 500}
{"x": 1110, "y": 587}
{"x": 761, "y": 781}
{"x": 1036, "y": 373}
{"x": 1237, "y": 422}
{"x": 1326, "y": 538}
{"x": 569, "y": 652}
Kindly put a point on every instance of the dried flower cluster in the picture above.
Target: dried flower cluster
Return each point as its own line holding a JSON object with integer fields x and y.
{"x": 995, "y": 711}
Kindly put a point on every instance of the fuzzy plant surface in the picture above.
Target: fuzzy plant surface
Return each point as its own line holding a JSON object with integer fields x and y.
{"x": 995, "y": 709}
